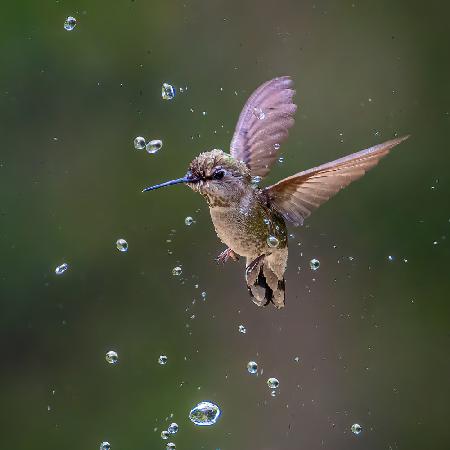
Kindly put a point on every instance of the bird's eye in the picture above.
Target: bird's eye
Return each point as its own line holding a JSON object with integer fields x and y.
{"x": 218, "y": 174}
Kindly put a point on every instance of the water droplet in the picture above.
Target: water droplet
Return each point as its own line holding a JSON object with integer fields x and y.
{"x": 189, "y": 221}
{"x": 356, "y": 428}
{"x": 153, "y": 146}
{"x": 177, "y": 271}
{"x": 281, "y": 159}
{"x": 314, "y": 264}
{"x": 390, "y": 258}
{"x": 162, "y": 360}
{"x": 242, "y": 329}
{"x": 165, "y": 434}
{"x": 61, "y": 269}
{"x": 252, "y": 367}
{"x": 203, "y": 295}
{"x": 259, "y": 113}
{"x": 105, "y": 446}
{"x": 112, "y": 357}
{"x": 276, "y": 146}
{"x": 266, "y": 221}
{"x": 70, "y": 23}
{"x": 205, "y": 413}
{"x": 122, "y": 245}
{"x": 167, "y": 91}
{"x": 256, "y": 179}
{"x": 273, "y": 383}
{"x": 173, "y": 428}
{"x": 139, "y": 143}
{"x": 273, "y": 242}
{"x": 297, "y": 359}
{"x": 171, "y": 446}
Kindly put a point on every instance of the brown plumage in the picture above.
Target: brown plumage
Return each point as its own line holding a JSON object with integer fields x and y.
{"x": 250, "y": 220}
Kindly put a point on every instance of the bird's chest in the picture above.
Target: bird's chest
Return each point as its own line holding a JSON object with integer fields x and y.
{"x": 240, "y": 227}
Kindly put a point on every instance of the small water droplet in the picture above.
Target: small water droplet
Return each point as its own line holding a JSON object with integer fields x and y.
{"x": 252, "y": 367}
{"x": 61, "y": 268}
{"x": 266, "y": 221}
{"x": 70, "y": 23}
{"x": 189, "y": 221}
{"x": 242, "y": 329}
{"x": 139, "y": 143}
{"x": 173, "y": 428}
{"x": 259, "y": 113}
{"x": 122, "y": 245}
{"x": 203, "y": 295}
{"x": 171, "y": 446}
{"x": 256, "y": 179}
{"x": 297, "y": 359}
{"x": 273, "y": 242}
{"x": 112, "y": 357}
{"x": 165, "y": 434}
{"x": 281, "y": 159}
{"x": 153, "y": 146}
{"x": 273, "y": 383}
{"x": 105, "y": 446}
{"x": 356, "y": 428}
{"x": 177, "y": 271}
{"x": 205, "y": 413}
{"x": 314, "y": 264}
{"x": 390, "y": 258}
{"x": 162, "y": 360}
{"x": 167, "y": 91}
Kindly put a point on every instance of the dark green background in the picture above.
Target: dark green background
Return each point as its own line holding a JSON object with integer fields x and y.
{"x": 372, "y": 335}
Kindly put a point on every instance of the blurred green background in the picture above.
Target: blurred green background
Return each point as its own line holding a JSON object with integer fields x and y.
{"x": 372, "y": 335}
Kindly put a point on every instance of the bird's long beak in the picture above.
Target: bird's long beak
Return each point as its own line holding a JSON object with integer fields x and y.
{"x": 186, "y": 179}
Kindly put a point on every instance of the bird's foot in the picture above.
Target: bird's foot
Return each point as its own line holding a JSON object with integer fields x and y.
{"x": 226, "y": 255}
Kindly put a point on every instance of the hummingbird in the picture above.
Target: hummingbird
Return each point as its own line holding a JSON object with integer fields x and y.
{"x": 250, "y": 220}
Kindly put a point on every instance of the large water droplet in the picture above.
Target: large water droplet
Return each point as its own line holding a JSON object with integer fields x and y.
{"x": 252, "y": 367}
{"x": 356, "y": 428}
{"x": 162, "y": 360}
{"x": 177, "y": 271}
{"x": 105, "y": 446}
{"x": 154, "y": 146}
{"x": 273, "y": 242}
{"x": 112, "y": 357}
{"x": 173, "y": 428}
{"x": 167, "y": 91}
{"x": 273, "y": 383}
{"x": 314, "y": 264}
{"x": 205, "y": 413}
{"x": 70, "y": 23}
{"x": 61, "y": 268}
{"x": 139, "y": 143}
{"x": 122, "y": 245}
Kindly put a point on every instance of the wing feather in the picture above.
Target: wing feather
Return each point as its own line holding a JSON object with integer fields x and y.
{"x": 297, "y": 196}
{"x": 263, "y": 125}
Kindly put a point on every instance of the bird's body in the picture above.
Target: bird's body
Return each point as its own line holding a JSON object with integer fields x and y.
{"x": 249, "y": 220}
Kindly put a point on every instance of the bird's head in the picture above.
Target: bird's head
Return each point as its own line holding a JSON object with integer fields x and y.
{"x": 216, "y": 175}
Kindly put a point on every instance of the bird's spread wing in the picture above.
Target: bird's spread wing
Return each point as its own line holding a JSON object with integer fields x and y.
{"x": 297, "y": 196}
{"x": 263, "y": 125}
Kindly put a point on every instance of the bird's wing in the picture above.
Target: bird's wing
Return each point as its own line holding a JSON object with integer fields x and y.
{"x": 263, "y": 125}
{"x": 297, "y": 196}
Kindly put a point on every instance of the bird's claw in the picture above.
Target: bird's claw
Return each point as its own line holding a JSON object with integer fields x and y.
{"x": 226, "y": 255}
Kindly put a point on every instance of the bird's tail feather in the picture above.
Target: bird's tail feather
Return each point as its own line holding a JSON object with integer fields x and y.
{"x": 263, "y": 284}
